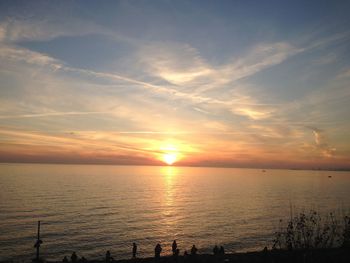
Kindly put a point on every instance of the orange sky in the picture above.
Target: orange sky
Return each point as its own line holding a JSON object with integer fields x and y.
{"x": 132, "y": 85}
{"x": 192, "y": 149}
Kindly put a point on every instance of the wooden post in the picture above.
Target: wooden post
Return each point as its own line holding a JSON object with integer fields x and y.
{"x": 37, "y": 244}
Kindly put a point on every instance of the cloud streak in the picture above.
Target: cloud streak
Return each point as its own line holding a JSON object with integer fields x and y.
{"x": 167, "y": 92}
{"x": 322, "y": 144}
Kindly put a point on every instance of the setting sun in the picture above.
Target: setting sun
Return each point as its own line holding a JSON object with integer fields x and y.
{"x": 169, "y": 158}
{"x": 169, "y": 153}
{"x": 129, "y": 126}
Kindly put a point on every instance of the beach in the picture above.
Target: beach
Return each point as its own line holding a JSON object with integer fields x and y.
{"x": 333, "y": 255}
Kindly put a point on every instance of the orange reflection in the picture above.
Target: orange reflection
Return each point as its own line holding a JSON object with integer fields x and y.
{"x": 170, "y": 174}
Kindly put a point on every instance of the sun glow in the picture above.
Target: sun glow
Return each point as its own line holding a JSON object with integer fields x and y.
{"x": 169, "y": 158}
{"x": 170, "y": 154}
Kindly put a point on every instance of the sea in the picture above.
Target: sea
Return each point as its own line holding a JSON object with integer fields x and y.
{"x": 90, "y": 209}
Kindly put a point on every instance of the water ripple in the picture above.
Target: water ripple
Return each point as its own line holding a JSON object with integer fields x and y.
{"x": 90, "y": 209}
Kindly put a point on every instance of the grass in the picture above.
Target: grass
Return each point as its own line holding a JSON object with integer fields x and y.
{"x": 313, "y": 231}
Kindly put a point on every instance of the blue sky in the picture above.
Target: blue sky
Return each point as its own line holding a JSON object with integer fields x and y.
{"x": 224, "y": 83}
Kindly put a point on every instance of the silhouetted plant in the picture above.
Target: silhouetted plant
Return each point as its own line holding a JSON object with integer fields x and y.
{"x": 346, "y": 233}
{"x": 310, "y": 230}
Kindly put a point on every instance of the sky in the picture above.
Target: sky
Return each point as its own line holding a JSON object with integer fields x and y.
{"x": 199, "y": 83}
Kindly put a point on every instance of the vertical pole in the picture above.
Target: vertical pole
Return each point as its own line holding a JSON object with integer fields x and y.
{"x": 38, "y": 243}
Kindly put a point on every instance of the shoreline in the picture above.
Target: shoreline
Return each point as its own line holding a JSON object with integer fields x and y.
{"x": 338, "y": 255}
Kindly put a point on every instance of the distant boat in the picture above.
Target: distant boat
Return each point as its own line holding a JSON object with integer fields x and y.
{"x": 263, "y": 171}
{"x": 329, "y": 176}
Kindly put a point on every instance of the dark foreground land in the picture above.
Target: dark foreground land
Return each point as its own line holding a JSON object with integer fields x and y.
{"x": 311, "y": 256}
{"x": 331, "y": 255}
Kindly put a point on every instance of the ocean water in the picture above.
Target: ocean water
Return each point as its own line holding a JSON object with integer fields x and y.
{"x": 93, "y": 208}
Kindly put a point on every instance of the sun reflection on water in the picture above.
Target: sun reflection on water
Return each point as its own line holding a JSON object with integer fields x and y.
{"x": 169, "y": 174}
{"x": 170, "y": 178}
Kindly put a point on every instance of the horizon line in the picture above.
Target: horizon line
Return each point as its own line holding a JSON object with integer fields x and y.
{"x": 338, "y": 169}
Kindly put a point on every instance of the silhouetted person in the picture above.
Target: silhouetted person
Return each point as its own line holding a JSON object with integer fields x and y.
{"x": 222, "y": 250}
{"x": 185, "y": 253}
{"x": 157, "y": 251}
{"x": 215, "y": 250}
{"x": 265, "y": 255}
{"x": 176, "y": 255}
{"x": 83, "y": 260}
{"x": 134, "y": 250}
{"x": 73, "y": 257}
{"x": 194, "y": 250}
{"x": 174, "y": 247}
{"x": 108, "y": 256}
{"x": 65, "y": 259}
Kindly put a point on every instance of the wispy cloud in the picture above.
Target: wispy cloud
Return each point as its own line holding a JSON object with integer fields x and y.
{"x": 14, "y": 30}
{"x": 177, "y": 63}
{"x": 344, "y": 74}
{"x": 250, "y": 109}
{"x": 165, "y": 90}
{"x": 17, "y": 54}
{"x": 322, "y": 144}
{"x": 52, "y": 114}
{"x": 260, "y": 57}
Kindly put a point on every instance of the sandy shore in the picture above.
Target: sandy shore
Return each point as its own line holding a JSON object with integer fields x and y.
{"x": 334, "y": 255}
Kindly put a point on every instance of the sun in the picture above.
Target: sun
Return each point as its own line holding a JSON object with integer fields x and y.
{"x": 169, "y": 154}
{"x": 169, "y": 158}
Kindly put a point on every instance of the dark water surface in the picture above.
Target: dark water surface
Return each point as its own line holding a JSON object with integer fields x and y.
{"x": 92, "y": 208}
